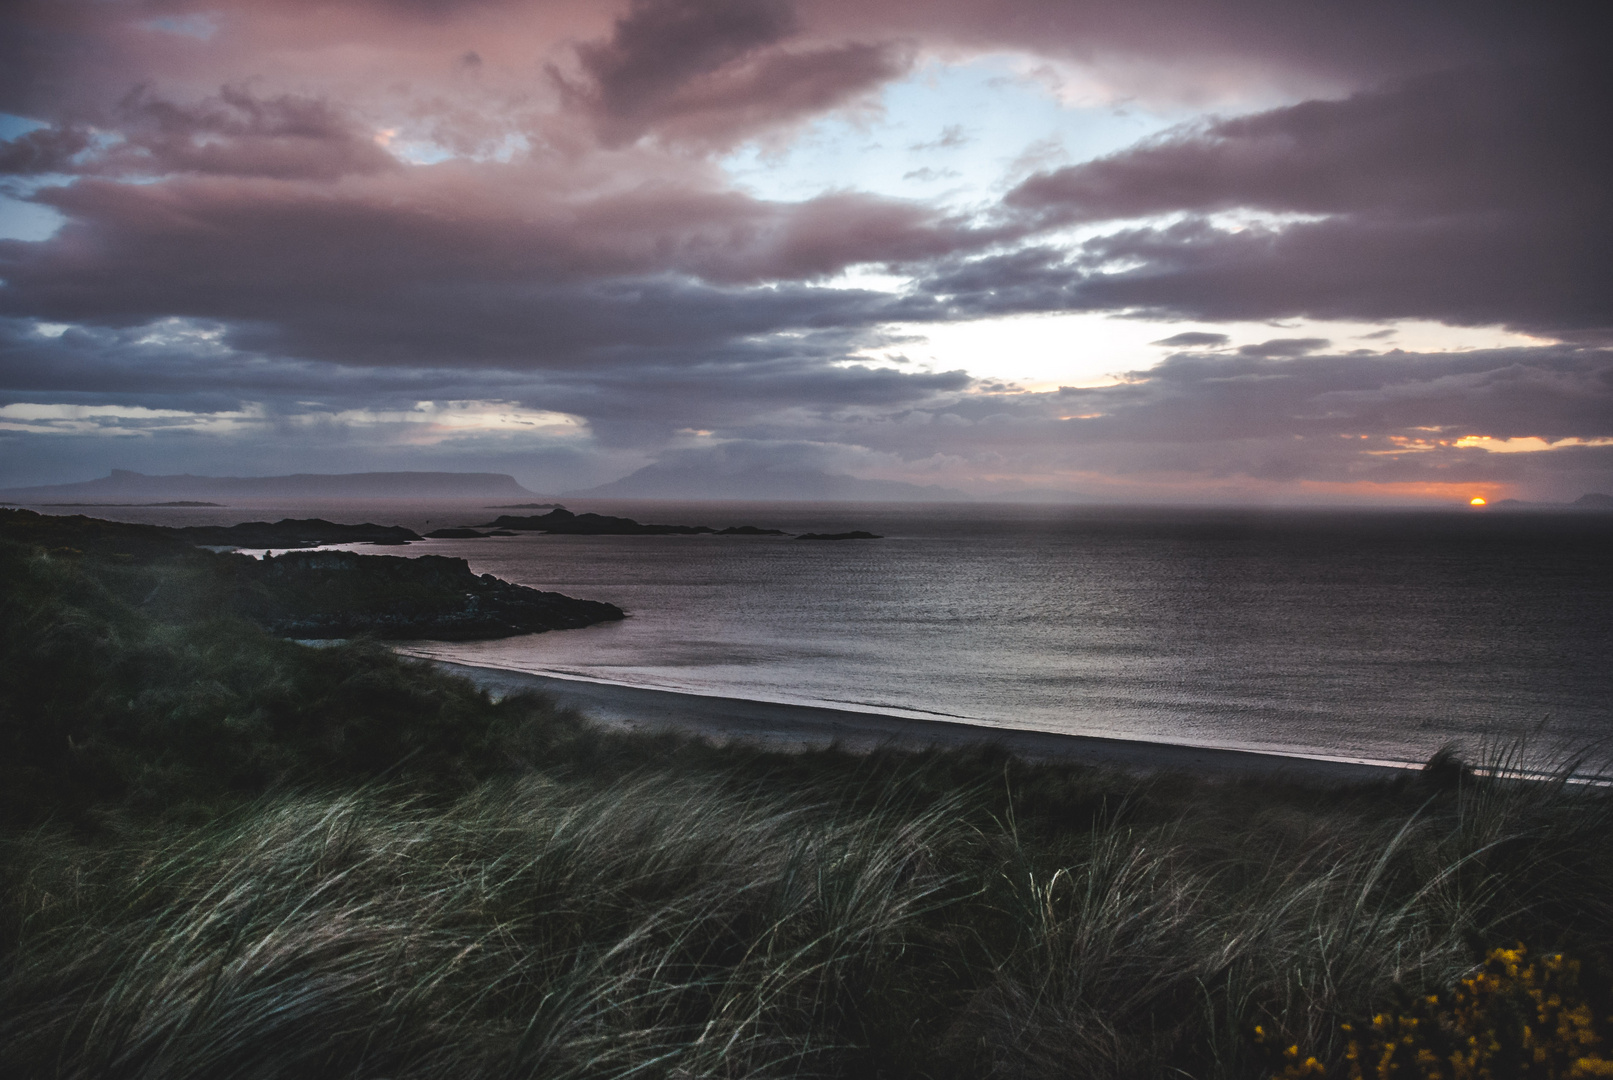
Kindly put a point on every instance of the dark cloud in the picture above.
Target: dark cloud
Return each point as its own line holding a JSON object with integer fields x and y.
{"x": 238, "y": 134}
{"x": 1475, "y": 140}
{"x": 231, "y": 134}
{"x": 1552, "y": 394}
{"x": 1284, "y": 347}
{"x": 1471, "y": 197}
{"x": 453, "y": 276}
{"x": 715, "y": 70}
{"x": 1174, "y": 49}
{"x": 952, "y": 136}
{"x": 46, "y": 150}
{"x": 1194, "y": 339}
{"x": 662, "y": 44}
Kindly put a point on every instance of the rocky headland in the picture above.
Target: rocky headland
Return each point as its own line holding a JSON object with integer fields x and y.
{"x": 341, "y": 594}
{"x": 301, "y": 594}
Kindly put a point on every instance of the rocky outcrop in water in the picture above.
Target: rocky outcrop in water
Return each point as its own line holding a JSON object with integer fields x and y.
{"x": 339, "y": 594}
{"x": 291, "y": 533}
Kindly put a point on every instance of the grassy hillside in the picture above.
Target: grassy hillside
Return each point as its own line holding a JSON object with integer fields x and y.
{"x": 231, "y": 855}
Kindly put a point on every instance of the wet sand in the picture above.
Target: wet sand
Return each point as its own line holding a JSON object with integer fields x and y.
{"x": 794, "y": 727}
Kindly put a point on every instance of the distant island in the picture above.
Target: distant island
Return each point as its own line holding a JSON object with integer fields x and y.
{"x": 858, "y": 535}
{"x": 703, "y": 476}
{"x": 85, "y": 505}
{"x": 125, "y": 486}
{"x": 564, "y": 522}
{"x": 1590, "y": 501}
{"x": 465, "y": 534}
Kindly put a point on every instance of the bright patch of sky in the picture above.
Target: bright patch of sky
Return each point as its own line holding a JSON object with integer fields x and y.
{"x": 958, "y": 134}
{"x": 424, "y": 151}
{"x": 199, "y": 25}
{"x": 27, "y": 221}
{"x": 122, "y": 420}
{"x": 427, "y": 423}
{"x": 431, "y": 422}
{"x": 952, "y": 133}
{"x": 21, "y": 220}
{"x": 1042, "y": 352}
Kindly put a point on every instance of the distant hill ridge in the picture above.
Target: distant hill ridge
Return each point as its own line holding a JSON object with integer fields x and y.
{"x": 701, "y": 481}
{"x": 123, "y": 484}
{"x": 1591, "y": 501}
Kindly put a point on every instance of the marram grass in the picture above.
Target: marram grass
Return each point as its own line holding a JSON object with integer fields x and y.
{"x": 670, "y": 924}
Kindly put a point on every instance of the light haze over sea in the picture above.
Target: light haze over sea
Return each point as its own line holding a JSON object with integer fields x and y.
{"x": 1365, "y": 635}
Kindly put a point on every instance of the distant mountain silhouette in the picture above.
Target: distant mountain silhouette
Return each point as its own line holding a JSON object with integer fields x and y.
{"x": 125, "y": 485}
{"x": 1591, "y": 501}
{"x": 660, "y": 481}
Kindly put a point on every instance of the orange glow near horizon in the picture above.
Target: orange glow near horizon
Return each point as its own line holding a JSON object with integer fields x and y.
{"x": 1477, "y": 500}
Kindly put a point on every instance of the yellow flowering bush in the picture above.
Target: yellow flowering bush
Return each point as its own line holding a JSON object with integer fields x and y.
{"x": 1515, "y": 1019}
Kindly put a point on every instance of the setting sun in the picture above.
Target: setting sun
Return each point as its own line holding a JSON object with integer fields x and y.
{"x": 1477, "y": 500}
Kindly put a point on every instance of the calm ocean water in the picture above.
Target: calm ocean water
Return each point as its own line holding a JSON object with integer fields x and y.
{"x": 1365, "y": 635}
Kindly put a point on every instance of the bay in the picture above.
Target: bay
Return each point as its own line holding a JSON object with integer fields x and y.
{"x": 1364, "y": 635}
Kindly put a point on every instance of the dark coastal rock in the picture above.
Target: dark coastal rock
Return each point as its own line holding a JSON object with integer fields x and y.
{"x": 457, "y": 534}
{"x": 338, "y": 594}
{"x": 292, "y": 533}
{"x": 466, "y": 534}
{"x": 840, "y": 536}
{"x": 92, "y": 536}
{"x": 305, "y": 594}
{"x": 564, "y": 523}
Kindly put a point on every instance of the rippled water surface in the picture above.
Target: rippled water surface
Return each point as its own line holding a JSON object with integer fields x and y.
{"x": 1364, "y": 635}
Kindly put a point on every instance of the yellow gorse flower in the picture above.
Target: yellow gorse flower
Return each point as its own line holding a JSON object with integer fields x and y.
{"x": 1514, "y": 1019}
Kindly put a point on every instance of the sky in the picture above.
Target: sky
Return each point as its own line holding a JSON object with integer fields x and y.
{"x": 1251, "y": 251}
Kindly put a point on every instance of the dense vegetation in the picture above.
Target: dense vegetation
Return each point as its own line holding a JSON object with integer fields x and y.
{"x": 228, "y": 855}
{"x": 305, "y": 594}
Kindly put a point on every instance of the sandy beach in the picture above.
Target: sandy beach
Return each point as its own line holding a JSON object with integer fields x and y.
{"x": 794, "y": 727}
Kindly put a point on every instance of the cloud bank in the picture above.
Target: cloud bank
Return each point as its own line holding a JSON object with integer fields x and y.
{"x": 370, "y": 234}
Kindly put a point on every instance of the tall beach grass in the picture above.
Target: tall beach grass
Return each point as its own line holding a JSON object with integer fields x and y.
{"x": 670, "y": 923}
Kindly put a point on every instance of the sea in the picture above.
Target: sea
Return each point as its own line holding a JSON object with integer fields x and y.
{"x": 1358, "y": 635}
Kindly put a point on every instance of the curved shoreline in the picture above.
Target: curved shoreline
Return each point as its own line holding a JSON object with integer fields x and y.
{"x": 796, "y": 727}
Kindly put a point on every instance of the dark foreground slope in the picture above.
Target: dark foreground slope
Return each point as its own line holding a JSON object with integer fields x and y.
{"x": 226, "y": 854}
